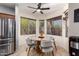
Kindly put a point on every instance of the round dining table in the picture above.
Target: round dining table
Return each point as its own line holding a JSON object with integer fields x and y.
{"x": 38, "y": 43}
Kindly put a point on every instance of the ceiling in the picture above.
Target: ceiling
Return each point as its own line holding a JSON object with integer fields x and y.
{"x": 23, "y": 6}
{"x": 24, "y": 9}
{"x": 53, "y": 8}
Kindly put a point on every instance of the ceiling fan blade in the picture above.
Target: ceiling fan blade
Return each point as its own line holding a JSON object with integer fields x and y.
{"x": 41, "y": 12}
{"x": 34, "y": 12}
{"x": 31, "y": 7}
{"x": 44, "y": 8}
{"x": 39, "y": 5}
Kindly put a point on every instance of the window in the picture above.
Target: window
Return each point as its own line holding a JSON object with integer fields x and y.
{"x": 28, "y": 26}
{"x": 32, "y": 27}
{"x": 54, "y": 26}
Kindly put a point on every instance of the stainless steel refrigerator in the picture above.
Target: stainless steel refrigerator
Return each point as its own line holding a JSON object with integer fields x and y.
{"x": 7, "y": 36}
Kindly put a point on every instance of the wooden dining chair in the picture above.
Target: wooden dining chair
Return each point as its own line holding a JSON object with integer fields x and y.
{"x": 46, "y": 46}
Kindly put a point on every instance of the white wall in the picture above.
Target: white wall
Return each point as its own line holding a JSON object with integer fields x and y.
{"x": 22, "y": 38}
{"x": 61, "y": 41}
{"x": 17, "y": 26}
{"x": 7, "y": 10}
{"x": 73, "y": 27}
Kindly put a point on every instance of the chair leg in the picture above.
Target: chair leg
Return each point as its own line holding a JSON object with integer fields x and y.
{"x": 28, "y": 51}
{"x": 52, "y": 53}
{"x": 55, "y": 45}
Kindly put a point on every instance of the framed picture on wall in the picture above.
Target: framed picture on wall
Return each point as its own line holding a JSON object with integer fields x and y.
{"x": 76, "y": 15}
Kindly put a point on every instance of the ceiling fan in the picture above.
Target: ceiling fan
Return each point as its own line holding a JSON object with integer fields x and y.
{"x": 38, "y": 9}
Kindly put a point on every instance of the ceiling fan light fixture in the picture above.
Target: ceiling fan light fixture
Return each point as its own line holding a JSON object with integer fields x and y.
{"x": 38, "y": 10}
